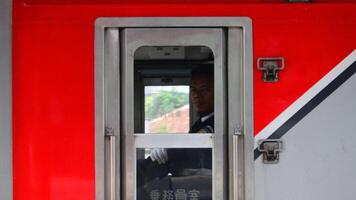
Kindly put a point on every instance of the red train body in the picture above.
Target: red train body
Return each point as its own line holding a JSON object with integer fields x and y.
{"x": 53, "y": 75}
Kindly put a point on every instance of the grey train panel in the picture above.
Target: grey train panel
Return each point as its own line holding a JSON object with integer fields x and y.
{"x": 318, "y": 161}
{"x": 5, "y": 101}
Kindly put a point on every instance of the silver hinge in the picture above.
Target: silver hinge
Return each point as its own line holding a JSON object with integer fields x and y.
{"x": 270, "y": 68}
{"x": 270, "y": 149}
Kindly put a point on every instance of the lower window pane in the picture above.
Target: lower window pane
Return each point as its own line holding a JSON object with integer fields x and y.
{"x": 174, "y": 174}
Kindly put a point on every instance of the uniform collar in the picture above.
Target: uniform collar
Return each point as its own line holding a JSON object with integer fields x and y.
{"x": 206, "y": 117}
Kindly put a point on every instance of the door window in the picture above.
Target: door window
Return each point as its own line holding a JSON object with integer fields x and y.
{"x": 168, "y": 82}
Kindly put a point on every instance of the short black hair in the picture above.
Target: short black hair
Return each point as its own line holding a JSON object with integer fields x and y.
{"x": 206, "y": 70}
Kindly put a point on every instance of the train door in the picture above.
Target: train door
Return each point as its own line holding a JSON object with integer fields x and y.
{"x": 146, "y": 145}
{"x": 180, "y": 147}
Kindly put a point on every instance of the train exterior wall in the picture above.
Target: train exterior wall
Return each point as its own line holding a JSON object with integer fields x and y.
{"x": 53, "y": 76}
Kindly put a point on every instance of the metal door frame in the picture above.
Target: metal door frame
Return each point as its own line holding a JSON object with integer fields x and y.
{"x": 240, "y": 116}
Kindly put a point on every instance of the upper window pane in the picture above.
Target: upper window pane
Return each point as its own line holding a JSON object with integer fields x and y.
{"x": 167, "y": 109}
{"x": 173, "y": 89}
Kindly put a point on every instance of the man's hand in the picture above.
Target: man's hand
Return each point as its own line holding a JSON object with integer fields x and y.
{"x": 159, "y": 154}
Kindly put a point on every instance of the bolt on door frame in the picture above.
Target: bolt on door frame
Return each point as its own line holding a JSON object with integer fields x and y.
{"x": 240, "y": 100}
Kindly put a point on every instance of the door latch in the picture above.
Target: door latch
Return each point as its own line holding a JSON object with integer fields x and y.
{"x": 270, "y": 148}
{"x": 270, "y": 68}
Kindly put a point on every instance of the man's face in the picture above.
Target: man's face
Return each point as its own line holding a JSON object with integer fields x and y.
{"x": 202, "y": 94}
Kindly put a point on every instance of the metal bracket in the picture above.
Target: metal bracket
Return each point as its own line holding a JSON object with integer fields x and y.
{"x": 270, "y": 68}
{"x": 270, "y": 149}
{"x": 238, "y": 130}
{"x": 109, "y": 131}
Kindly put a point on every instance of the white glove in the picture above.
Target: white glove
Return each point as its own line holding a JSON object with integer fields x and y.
{"x": 159, "y": 154}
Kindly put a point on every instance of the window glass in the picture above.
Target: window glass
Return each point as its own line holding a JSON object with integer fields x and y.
{"x": 173, "y": 93}
{"x": 167, "y": 109}
{"x": 186, "y": 174}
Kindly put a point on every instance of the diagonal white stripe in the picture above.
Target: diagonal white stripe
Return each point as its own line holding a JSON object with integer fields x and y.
{"x": 305, "y": 98}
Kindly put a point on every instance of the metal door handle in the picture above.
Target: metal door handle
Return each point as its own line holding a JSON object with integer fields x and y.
{"x": 237, "y": 173}
{"x": 235, "y": 142}
{"x": 109, "y": 132}
{"x": 112, "y": 167}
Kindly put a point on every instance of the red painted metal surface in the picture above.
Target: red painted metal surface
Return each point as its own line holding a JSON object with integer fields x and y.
{"x": 53, "y": 77}
{"x": 89, "y": 2}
